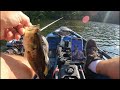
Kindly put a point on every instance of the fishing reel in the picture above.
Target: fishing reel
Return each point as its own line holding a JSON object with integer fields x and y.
{"x": 69, "y": 69}
{"x": 67, "y": 65}
{"x": 69, "y": 72}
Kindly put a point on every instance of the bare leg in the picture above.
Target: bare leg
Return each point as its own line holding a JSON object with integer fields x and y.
{"x": 15, "y": 67}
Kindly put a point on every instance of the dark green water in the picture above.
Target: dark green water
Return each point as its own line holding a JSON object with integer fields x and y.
{"x": 105, "y": 35}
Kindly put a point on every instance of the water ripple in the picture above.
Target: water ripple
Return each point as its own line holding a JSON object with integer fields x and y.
{"x": 106, "y": 36}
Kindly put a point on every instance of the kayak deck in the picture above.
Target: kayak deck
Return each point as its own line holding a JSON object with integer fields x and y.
{"x": 60, "y": 57}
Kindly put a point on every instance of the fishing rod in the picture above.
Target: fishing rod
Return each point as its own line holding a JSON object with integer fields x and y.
{"x": 51, "y": 24}
{"x": 54, "y": 22}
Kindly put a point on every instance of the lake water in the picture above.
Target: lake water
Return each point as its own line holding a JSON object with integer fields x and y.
{"x": 106, "y": 35}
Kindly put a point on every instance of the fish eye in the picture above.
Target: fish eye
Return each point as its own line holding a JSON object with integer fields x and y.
{"x": 28, "y": 51}
{"x": 33, "y": 48}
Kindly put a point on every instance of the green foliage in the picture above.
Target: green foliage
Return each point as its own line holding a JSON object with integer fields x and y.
{"x": 97, "y": 16}
{"x": 35, "y": 16}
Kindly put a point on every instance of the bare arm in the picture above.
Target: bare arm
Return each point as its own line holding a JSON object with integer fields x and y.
{"x": 110, "y": 68}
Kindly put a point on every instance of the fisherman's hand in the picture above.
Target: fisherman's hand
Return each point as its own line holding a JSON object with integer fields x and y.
{"x": 12, "y": 24}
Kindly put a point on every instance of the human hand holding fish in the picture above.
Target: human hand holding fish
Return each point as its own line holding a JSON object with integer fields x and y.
{"x": 35, "y": 60}
{"x": 13, "y": 25}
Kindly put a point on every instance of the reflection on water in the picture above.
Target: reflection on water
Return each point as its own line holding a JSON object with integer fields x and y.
{"x": 106, "y": 36}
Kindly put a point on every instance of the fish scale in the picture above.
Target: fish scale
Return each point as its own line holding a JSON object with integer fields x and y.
{"x": 36, "y": 50}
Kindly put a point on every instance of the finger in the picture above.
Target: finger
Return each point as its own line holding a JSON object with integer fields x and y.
{"x": 17, "y": 36}
{"x": 19, "y": 26}
{"x": 21, "y": 31}
{"x": 10, "y": 36}
{"x": 30, "y": 24}
{"x": 25, "y": 20}
{"x": 13, "y": 30}
{"x": 26, "y": 23}
{"x": 11, "y": 33}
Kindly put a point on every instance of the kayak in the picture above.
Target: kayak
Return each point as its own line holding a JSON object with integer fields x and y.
{"x": 67, "y": 54}
{"x": 15, "y": 47}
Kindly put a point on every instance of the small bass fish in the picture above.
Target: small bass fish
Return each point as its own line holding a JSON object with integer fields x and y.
{"x": 36, "y": 51}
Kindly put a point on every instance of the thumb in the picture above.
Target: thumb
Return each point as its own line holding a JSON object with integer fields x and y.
{"x": 25, "y": 20}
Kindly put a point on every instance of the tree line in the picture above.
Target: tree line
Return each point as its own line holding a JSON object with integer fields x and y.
{"x": 97, "y": 16}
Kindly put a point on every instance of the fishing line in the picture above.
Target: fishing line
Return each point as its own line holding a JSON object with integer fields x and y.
{"x": 51, "y": 24}
{"x": 55, "y": 22}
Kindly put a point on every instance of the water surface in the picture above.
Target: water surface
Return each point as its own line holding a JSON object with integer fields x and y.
{"x": 106, "y": 35}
